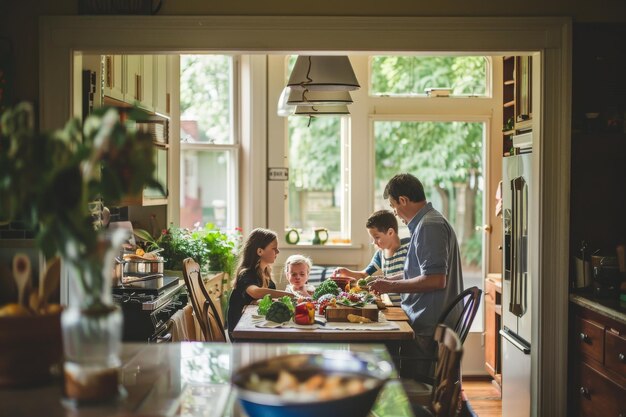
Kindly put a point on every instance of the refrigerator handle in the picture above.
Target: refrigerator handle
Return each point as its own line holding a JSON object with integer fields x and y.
{"x": 516, "y": 305}
{"x": 505, "y": 333}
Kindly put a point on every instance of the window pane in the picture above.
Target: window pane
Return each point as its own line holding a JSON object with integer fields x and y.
{"x": 206, "y": 187}
{"x": 447, "y": 159}
{"x": 315, "y": 186}
{"x": 412, "y": 75}
{"x": 206, "y": 99}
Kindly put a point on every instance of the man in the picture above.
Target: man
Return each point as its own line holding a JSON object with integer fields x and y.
{"x": 432, "y": 275}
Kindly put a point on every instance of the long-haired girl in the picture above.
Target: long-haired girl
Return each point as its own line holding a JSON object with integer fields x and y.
{"x": 254, "y": 279}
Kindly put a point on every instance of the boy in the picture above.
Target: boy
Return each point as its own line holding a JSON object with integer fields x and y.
{"x": 382, "y": 226}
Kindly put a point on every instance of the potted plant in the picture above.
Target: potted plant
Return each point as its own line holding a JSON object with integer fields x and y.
{"x": 55, "y": 182}
{"x": 213, "y": 249}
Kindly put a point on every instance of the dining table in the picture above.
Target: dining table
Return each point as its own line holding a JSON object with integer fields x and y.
{"x": 187, "y": 379}
{"x": 392, "y": 326}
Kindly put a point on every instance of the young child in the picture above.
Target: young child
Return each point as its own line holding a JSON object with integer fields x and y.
{"x": 297, "y": 268}
{"x": 382, "y": 226}
{"x": 254, "y": 278}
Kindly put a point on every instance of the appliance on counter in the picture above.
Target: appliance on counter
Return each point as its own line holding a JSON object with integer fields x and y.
{"x": 147, "y": 311}
{"x": 516, "y": 286}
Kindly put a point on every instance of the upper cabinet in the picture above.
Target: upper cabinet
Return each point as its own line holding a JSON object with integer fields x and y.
{"x": 113, "y": 77}
{"x": 140, "y": 80}
{"x": 161, "y": 92}
{"x": 516, "y": 98}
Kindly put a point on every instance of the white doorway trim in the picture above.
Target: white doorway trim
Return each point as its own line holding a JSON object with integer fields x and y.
{"x": 549, "y": 38}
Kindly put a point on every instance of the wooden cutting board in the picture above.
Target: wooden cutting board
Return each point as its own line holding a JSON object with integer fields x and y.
{"x": 340, "y": 313}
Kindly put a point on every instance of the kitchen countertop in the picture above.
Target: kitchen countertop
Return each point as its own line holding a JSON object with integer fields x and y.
{"x": 611, "y": 308}
{"x": 185, "y": 380}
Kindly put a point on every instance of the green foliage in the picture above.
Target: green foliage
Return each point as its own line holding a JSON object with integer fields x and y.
{"x": 473, "y": 249}
{"x": 326, "y": 287}
{"x": 49, "y": 179}
{"x": 205, "y": 95}
{"x": 315, "y": 153}
{"x": 214, "y": 250}
{"x": 410, "y": 75}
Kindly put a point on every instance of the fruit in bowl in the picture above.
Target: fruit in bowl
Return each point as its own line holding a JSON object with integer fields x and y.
{"x": 311, "y": 385}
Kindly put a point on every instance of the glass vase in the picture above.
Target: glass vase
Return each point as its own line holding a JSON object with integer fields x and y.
{"x": 91, "y": 326}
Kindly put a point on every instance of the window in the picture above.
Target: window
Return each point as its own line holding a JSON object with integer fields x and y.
{"x": 317, "y": 184}
{"x": 448, "y": 158}
{"x": 412, "y": 75}
{"x": 209, "y": 144}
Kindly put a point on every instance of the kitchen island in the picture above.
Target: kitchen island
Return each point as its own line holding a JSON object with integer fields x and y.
{"x": 185, "y": 379}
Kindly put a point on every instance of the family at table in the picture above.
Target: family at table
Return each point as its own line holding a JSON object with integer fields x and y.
{"x": 422, "y": 273}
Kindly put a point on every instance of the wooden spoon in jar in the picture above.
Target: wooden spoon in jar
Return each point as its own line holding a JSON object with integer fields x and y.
{"x": 21, "y": 275}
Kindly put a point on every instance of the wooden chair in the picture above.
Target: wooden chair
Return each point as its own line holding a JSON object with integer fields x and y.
{"x": 445, "y": 399}
{"x": 461, "y": 312}
{"x": 206, "y": 313}
{"x": 458, "y": 316}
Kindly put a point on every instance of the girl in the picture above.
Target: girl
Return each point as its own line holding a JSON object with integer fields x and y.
{"x": 297, "y": 270}
{"x": 254, "y": 278}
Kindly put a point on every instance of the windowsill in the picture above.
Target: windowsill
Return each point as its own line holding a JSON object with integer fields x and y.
{"x": 340, "y": 246}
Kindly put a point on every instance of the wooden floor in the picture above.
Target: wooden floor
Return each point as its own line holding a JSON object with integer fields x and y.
{"x": 483, "y": 397}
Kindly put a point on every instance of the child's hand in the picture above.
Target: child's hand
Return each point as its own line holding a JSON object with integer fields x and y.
{"x": 340, "y": 272}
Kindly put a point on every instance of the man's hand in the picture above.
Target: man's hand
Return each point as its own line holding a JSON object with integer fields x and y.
{"x": 381, "y": 286}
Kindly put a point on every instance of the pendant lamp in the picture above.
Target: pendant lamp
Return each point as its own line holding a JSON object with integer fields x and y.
{"x": 323, "y": 73}
{"x": 321, "y": 110}
{"x": 284, "y": 109}
{"x": 318, "y": 98}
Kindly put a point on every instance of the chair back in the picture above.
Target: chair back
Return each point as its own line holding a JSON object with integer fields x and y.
{"x": 446, "y": 394}
{"x": 204, "y": 309}
{"x": 460, "y": 314}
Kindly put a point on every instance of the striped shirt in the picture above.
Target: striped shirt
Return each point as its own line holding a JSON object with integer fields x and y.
{"x": 390, "y": 266}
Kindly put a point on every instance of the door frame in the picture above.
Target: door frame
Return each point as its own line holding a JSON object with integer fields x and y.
{"x": 548, "y": 38}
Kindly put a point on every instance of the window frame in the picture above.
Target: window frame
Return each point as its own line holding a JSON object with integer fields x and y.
{"x": 233, "y": 149}
{"x": 488, "y": 79}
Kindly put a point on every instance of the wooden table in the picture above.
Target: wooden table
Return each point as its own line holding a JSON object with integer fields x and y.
{"x": 247, "y": 330}
{"x": 186, "y": 380}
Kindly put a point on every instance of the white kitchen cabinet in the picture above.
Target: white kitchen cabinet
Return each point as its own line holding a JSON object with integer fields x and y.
{"x": 114, "y": 77}
{"x": 132, "y": 76}
{"x": 161, "y": 85}
{"x": 147, "y": 83}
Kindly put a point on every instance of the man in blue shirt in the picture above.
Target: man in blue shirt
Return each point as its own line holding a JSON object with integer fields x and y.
{"x": 432, "y": 275}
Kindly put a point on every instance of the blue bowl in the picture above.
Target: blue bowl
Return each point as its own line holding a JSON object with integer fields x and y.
{"x": 302, "y": 366}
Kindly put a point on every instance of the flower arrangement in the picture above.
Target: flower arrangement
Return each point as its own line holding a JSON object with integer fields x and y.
{"x": 50, "y": 180}
{"x": 212, "y": 248}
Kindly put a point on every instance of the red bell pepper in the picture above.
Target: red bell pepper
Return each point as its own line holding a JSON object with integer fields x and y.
{"x": 305, "y": 313}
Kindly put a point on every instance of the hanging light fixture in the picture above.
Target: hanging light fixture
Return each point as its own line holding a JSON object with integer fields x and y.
{"x": 321, "y": 110}
{"x": 323, "y": 73}
{"x": 284, "y": 109}
{"x": 318, "y": 98}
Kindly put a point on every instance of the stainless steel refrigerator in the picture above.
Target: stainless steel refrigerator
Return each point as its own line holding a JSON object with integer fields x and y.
{"x": 516, "y": 287}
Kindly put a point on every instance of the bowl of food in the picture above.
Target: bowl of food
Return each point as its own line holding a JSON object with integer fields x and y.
{"x": 311, "y": 385}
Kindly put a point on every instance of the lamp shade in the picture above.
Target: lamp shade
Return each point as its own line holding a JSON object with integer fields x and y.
{"x": 318, "y": 98}
{"x": 325, "y": 73}
{"x": 321, "y": 110}
{"x": 283, "y": 108}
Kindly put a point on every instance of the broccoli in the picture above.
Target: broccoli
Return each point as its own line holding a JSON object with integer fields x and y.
{"x": 278, "y": 313}
{"x": 327, "y": 287}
